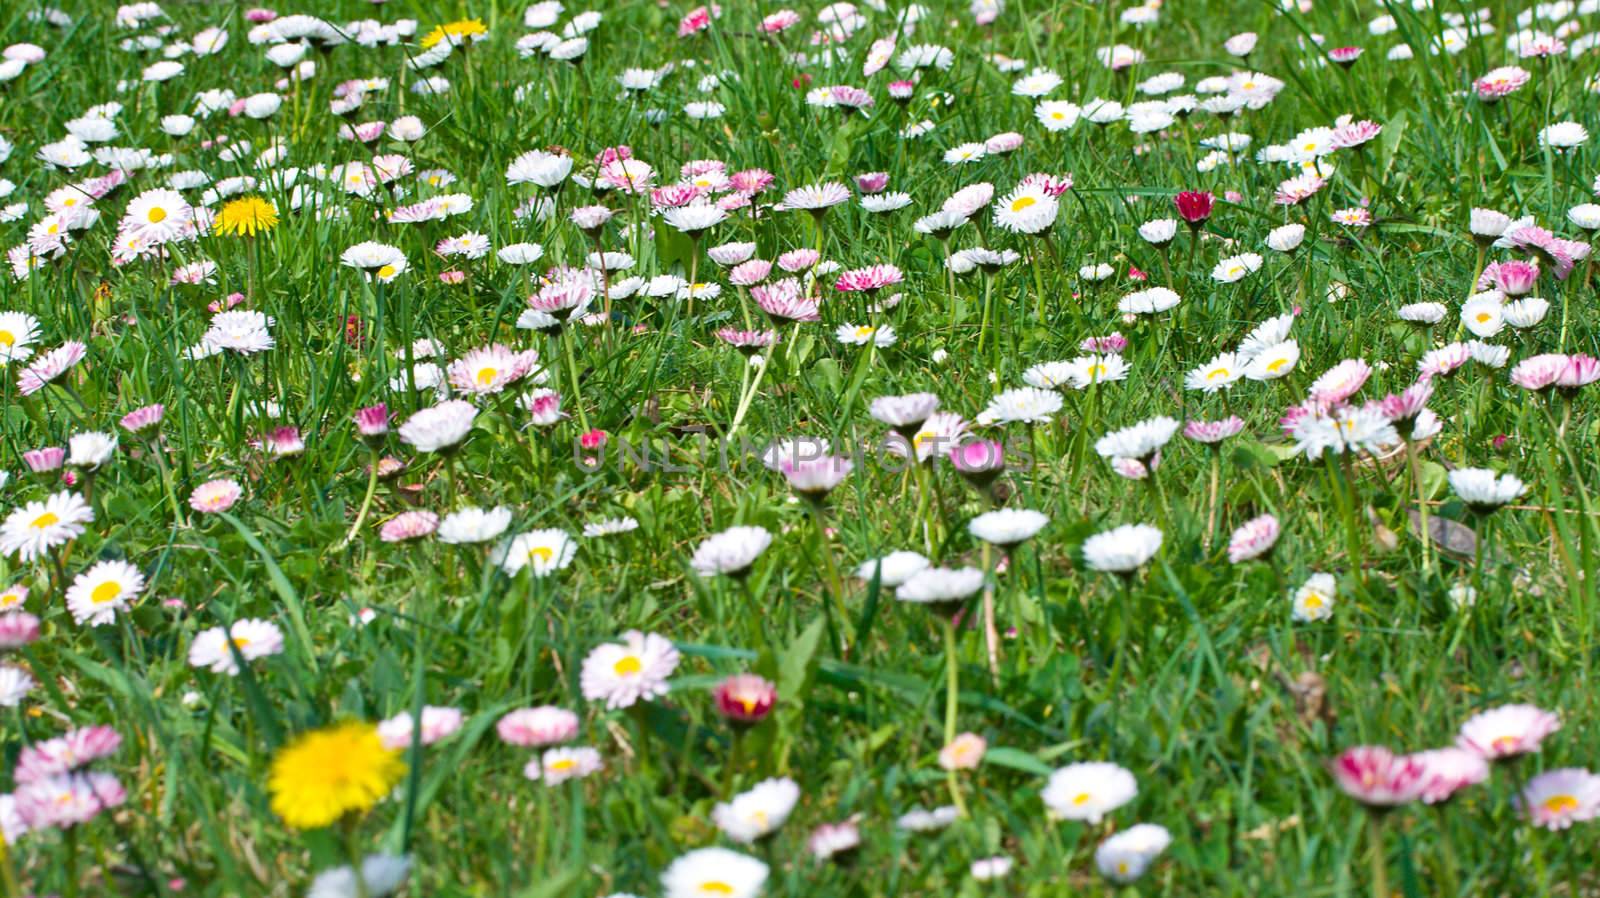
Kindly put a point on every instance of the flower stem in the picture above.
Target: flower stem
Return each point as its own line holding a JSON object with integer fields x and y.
{"x": 1380, "y": 869}
{"x": 572, "y": 371}
{"x": 366, "y": 501}
{"x": 952, "y": 701}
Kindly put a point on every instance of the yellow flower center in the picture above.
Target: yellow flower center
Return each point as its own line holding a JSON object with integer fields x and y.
{"x": 1022, "y": 202}
{"x": 53, "y": 229}
{"x": 386, "y": 272}
{"x": 157, "y": 215}
{"x": 627, "y": 666}
{"x": 1218, "y": 373}
{"x": 106, "y": 592}
{"x": 48, "y": 519}
{"x": 1561, "y": 804}
{"x": 563, "y": 765}
{"x": 240, "y": 642}
{"x": 1081, "y": 799}
{"x": 9, "y": 600}
{"x": 1504, "y": 743}
{"x": 541, "y": 553}
{"x": 1276, "y": 364}
{"x": 1314, "y": 601}
{"x": 1057, "y": 116}
{"x": 715, "y": 887}
{"x": 1484, "y": 317}
{"x": 864, "y": 331}
{"x": 1236, "y": 271}
{"x": 1310, "y": 147}
{"x": 486, "y": 376}
{"x": 7, "y": 338}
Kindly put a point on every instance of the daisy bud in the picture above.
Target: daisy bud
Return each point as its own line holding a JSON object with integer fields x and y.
{"x": 372, "y": 421}
{"x": 745, "y": 699}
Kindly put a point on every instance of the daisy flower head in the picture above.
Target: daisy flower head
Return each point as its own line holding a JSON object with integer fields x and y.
{"x": 1026, "y": 210}
{"x": 1483, "y": 491}
{"x": 1556, "y": 799}
{"x": 714, "y": 873}
{"x": 49, "y": 366}
{"x": 439, "y": 427}
{"x": 327, "y": 774}
{"x": 893, "y": 569}
{"x": 942, "y": 590}
{"x": 622, "y": 673}
{"x": 1507, "y": 731}
{"x": 1216, "y": 375}
{"x": 1377, "y": 777}
{"x": 1088, "y": 791}
{"x": 560, "y": 765}
{"x": 98, "y": 594}
{"x": 542, "y": 552}
{"x": 1314, "y": 599}
{"x": 215, "y": 496}
{"x": 213, "y": 649}
{"x": 1138, "y": 441}
{"x": 1125, "y": 856}
{"x": 881, "y": 336}
{"x": 1122, "y": 550}
{"x": 758, "y": 811}
{"x": 1007, "y": 526}
{"x": 1236, "y": 268}
{"x": 1254, "y": 539}
{"x": 1027, "y": 405}
{"x": 18, "y": 332}
{"x": 43, "y": 524}
{"x": 1447, "y": 771}
{"x": 731, "y": 552}
{"x": 537, "y": 727}
{"x": 745, "y": 699}
{"x": 816, "y": 198}
{"x": 1151, "y": 301}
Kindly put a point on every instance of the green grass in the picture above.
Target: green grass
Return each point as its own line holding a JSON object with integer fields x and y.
{"x": 1226, "y": 709}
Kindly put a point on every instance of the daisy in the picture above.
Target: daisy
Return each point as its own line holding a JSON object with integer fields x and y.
{"x": 1313, "y": 601}
{"x": 730, "y": 552}
{"x": 1235, "y": 268}
{"x": 622, "y": 673}
{"x": 1447, "y": 771}
{"x": 880, "y": 335}
{"x": 714, "y": 873}
{"x": 252, "y": 638}
{"x": 1026, "y": 210}
{"x": 41, "y": 525}
{"x": 1218, "y": 374}
{"x": 558, "y": 765}
{"x": 440, "y": 427}
{"x": 18, "y": 332}
{"x": 1122, "y": 550}
{"x": 1558, "y": 798}
{"x": 1007, "y": 526}
{"x": 542, "y": 552}
{"x": 1482, "y": 491}
{"x": 1377, "y": 777}
{"x": 1125, "y": 856}
{"x": 941, "y": 589}
{"x": 490, "y": 369}
{"x": 1253, "y": 539}
{"x": 893, "y": 569}
{"x": 745, "y": 699}
{"x": 1507, "y": 731}
{"x": 1274, "y": 361}
{"x": 215, "y": 496}
{"x": 50, "y": 366}
{"x": 537, "y": 727}
{"x": 96, "y": 595}
{"x": 1148, "y": 302}
{"x": 474, "y": 525}
{"x": 1138, "y": 441}
{"x": 1088, "y": 791}
{"x": 1029, "y": 405}
{"x": 816, "y": 198}
{"x": 757, "y": 812}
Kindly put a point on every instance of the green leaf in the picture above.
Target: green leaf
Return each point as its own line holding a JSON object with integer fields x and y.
{"x": 798, "y": 663}
{"x": 1016, "y": 759}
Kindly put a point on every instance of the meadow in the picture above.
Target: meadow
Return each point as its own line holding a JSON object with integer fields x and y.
{"x": 644, "y": 450}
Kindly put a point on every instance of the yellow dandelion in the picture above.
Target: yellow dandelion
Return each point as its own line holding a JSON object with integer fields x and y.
{"x": 246, "y": 216}
{"x": 328, "y": 773}
{"x": 458, "y": 32}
